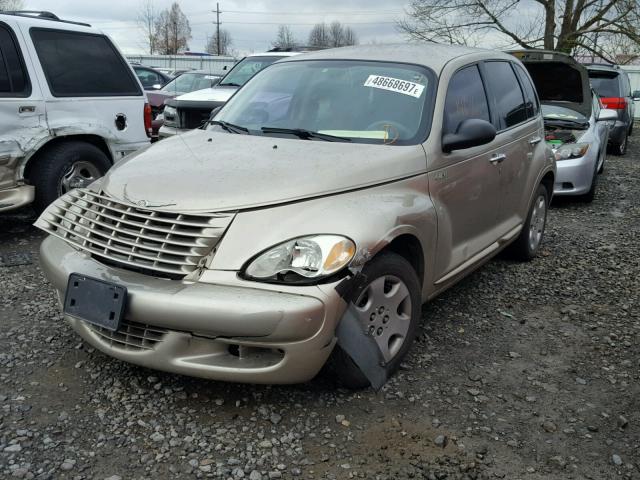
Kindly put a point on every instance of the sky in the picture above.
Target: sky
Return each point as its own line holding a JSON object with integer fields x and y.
{"x": 252, "y": 24}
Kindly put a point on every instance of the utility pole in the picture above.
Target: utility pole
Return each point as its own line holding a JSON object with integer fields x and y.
{"x": 218, "y": 27}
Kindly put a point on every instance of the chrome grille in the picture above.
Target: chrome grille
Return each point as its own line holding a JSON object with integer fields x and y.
{"x": 130, "y": 336}
{"x": 161, "y": 243}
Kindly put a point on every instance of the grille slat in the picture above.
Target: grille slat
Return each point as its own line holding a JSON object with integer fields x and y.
{"x": 131, "y": 336}
{"x": 110, "y": 230}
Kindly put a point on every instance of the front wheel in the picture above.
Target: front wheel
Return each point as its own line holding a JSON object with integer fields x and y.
{"x": 526, "y": 246}
{"x": 65, "y": 166}
{"x": 388, "y": 308}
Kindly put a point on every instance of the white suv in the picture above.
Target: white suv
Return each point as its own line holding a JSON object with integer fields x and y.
{"x": 70, "y": 106}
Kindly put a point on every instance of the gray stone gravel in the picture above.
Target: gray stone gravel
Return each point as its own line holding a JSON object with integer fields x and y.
{"x": 522, "y": 371}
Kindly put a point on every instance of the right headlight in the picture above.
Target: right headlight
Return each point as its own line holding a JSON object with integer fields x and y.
{"x": 303, "y": 259}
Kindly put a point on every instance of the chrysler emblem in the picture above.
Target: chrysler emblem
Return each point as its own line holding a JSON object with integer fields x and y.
{"x": 142, "y": 203}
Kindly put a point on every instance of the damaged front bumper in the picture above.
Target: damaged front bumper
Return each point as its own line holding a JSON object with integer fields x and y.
{"x": 225, "y": 329}
{"x": 16, "y": 197}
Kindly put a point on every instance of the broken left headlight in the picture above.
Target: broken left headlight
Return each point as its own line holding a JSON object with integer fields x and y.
{"x": 303, "y": 259}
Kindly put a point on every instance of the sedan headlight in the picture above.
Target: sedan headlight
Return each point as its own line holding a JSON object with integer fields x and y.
{"x": 571, "y": 150}
{"x": 307, "y": 258}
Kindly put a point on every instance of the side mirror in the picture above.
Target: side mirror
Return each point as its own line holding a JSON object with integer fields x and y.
{"x": 470, "y": 133}
{"x": 636, "y": 95}
{"x": 606, "y": 114}
{"x": 214, "y": 112}
{"x": 156, "y": 86}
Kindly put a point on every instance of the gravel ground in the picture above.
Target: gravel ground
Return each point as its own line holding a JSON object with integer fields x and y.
{"x": 522, "y": 371}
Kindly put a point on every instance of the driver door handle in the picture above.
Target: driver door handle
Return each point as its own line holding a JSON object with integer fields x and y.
{"x": 497, "y": 158}
{"x": 534, "y": 141}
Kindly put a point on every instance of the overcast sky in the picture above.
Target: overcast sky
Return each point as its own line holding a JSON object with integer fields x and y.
{"x": 252, "y": 24}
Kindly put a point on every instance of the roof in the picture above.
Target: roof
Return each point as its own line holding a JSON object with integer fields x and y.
{"x": 273, "y": 54}
{"x": 432, "y": 55}
{"x": 32, "y": 20}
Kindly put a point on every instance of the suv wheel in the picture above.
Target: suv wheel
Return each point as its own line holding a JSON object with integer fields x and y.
{"x": 526, "y": 246}
{"x": 389, "y": 309}
{"x": 66, "y": 166}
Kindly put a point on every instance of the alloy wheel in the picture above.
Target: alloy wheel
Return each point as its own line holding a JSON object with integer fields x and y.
{"x": 79, "y": 174}
{"x": 537, "y": 222}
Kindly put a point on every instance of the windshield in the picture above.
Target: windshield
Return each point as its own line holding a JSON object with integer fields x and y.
{"x": 360, "y": 101}
{"x": 605, "y": 84}
{"x": 189, "y": 82}
{"x": 553, "y": 112}
{"x": 245, "y": 69}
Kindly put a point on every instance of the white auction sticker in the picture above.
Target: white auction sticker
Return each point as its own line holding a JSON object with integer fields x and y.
{"x": 395, "y": 85}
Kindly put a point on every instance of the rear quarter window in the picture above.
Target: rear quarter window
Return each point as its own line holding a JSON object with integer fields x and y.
{"x": 78, "y": 64}
{"x": 14, "y": 81}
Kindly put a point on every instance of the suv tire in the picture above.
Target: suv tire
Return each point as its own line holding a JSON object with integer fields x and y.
{"x": 620, "y": 148}
{"x": 526, "y": 246}
{"x": 65, "y": 166}
{"x": 387, "y": 270}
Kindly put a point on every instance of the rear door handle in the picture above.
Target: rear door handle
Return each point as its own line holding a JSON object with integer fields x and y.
{"x": 534, "y": 141}
{"x": 497, "y": 158}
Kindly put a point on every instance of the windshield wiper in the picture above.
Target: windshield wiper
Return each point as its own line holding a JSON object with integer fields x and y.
{"x": 305, "y": 134}
{"x": 229, "y": 84}
{"x": 229, "y": 127}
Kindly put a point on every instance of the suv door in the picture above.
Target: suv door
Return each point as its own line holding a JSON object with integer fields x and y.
{"x": 22, "y": 119}
{"x": 92, "y": 89}
{"x": 520, "y": 132}
{"x": 465, "y": 183}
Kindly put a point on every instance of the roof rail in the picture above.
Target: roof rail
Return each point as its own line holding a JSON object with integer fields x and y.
{"x": 43, "y": 15}
{"x": 297, "y": 48}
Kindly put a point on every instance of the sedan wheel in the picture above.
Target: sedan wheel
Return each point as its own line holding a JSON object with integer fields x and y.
{"x": 384, "y": 309}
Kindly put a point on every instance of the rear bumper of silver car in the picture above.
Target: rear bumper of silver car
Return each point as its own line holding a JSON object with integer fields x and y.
{"x": 241, "y": 331}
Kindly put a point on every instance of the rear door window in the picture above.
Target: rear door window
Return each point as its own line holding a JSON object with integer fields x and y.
{"x": 466, "y": 99}
{"x": 507, "y": 97}
{"x": 78, "y": 64}
{"x": 14, "y": 81}
{"x": 529, "y": 92}
{"x": 605, "y": 83}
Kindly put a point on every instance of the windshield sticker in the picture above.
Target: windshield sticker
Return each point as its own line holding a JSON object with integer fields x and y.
{"x": 211, "y": 77}
{"x": 395, "y": 85}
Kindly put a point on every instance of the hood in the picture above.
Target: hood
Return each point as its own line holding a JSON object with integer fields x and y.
{"x": 559, "y": 79}
{"x": 205, "y": 171}
{"x": 214, "y": 94}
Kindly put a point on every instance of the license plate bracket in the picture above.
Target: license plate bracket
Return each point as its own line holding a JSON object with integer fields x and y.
{"x": 95, "y": 301}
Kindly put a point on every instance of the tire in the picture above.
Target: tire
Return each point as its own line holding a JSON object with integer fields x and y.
{"x": 64, "y": 166}
{"x": 525, "y": 248}
{"x": 620, "y": 149}
{"x": 388, "y": 270}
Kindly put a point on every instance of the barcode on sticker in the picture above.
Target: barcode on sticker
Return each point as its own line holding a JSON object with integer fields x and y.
{"x": 394, "y": 85}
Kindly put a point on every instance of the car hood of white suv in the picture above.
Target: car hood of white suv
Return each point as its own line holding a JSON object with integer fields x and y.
{"x": 214, "y": 94}
{"x": 207, "y": 171}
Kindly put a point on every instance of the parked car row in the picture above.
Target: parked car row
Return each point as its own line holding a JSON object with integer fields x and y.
{"x": 327, "y": 197}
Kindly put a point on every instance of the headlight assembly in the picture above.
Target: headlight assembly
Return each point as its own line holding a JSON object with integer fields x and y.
{"x": 170, "y": 115}
{"x": 571, "y": 150}
{"x": 303, "y": 259}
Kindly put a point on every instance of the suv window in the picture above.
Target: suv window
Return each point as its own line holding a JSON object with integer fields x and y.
{"x": 466, "y": 98}
{"x": 605, "y": 83}
{"x": 80, "y": 64}
{"x": 529, "y": 92}
{"x": 14, "y": 81}
{"x": 506, "y": 93}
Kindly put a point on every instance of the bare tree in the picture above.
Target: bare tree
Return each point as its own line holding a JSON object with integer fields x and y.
{"x": 9, "y": 5}
{"x": 147, "y": 18}
{"x": 563, "y": 25}
{"x": 285, "y": 38}
{"x": 334, "y": 35}
{"x": 172, "y": 32}
{"x": 225, "y": 42}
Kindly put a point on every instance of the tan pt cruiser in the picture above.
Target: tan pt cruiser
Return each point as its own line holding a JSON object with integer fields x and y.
{"x": 310, "y": 219}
